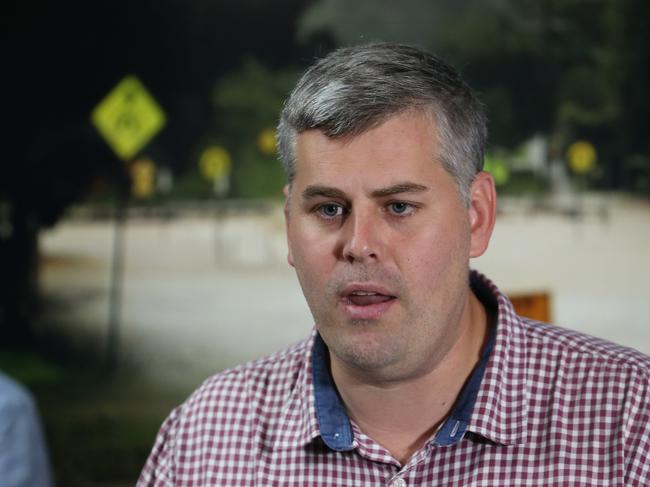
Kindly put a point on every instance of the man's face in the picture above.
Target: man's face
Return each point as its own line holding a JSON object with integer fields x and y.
{"x": 381, "y": 243}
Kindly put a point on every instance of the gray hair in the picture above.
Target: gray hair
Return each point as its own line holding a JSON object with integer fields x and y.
{"x": 357, "y": 88}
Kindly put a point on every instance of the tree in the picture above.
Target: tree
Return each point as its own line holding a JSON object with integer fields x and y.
{"x": 566, "y": 69}
{"x": 246, "y": 106}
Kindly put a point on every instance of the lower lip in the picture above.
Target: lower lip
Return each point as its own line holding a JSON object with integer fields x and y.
{"x": 367, "y": 312}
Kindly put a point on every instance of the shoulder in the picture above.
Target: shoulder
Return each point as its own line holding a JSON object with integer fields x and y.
{"x": 600, "y": 384}
{"x": 545, "y": 345}
{"x": 244, "y": 398}
{"x": 11, "y": 390}
{"x": 254, "y": 381}
{"x": 227, "y": 418}
{"x": 568, "y": 347}
{"x": 23, "y": 454}
{"x": 14, "y": 398}
{"x": 580, "y": 376}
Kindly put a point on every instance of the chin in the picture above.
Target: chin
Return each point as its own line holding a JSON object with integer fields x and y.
{"x": 366, "y": 351}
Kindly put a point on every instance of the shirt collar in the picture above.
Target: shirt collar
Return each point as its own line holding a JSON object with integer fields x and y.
{"x": 298, "y": 425}
{"x": 501, "y": 409}
{"x": 457, "y": 422}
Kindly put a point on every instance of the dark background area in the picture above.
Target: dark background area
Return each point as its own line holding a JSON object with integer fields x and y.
{"x": 61, "y": 59}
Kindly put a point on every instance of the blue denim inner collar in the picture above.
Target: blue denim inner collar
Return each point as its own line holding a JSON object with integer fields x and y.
{"x": 334, "y": 423}
{"x": 455, "y": 426}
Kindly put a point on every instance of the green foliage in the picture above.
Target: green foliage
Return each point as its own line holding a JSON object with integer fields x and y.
{"x": 637, "y": 173}
{"x": 368, "y": 20}
{"x": 586, "y": 98}
{"x": 524, "y": 182}
{"x": 513, "y": 172}
{"x": 567, "y": 69}
{"x": 28, "y": 367}
{"x": 247, "y": 102}
{"x": 257, "y": 175}
{"x": 191, "y": 186}
{"x": 250, "y": 98}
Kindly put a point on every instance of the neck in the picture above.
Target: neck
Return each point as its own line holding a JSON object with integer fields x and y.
{"x": 403, "y": 415}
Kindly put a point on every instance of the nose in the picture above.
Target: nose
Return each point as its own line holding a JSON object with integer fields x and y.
{"x": 362, "y": 237}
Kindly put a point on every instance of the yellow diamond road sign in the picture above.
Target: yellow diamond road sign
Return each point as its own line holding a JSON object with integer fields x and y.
{"x": 128, "y": 117}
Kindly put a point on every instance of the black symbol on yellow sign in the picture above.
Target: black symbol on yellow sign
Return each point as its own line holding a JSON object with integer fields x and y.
{"x": 128, "y": 117}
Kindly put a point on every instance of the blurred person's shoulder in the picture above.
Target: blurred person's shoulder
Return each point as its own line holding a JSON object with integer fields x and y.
{"x": 23, "y": 451}
{"x": 13, "y": 396}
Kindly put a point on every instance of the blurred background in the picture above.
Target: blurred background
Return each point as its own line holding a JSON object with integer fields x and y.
{"x": 141, "y": 231}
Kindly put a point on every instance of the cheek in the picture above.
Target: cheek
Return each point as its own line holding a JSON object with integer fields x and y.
{"x": 312, "y": 252}
{"x": 437, "y": 256}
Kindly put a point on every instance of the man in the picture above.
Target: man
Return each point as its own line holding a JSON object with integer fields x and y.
{"x": 418, "y": 372}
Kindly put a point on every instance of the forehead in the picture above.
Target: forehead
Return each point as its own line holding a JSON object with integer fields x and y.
{"x": 404, "y": 143}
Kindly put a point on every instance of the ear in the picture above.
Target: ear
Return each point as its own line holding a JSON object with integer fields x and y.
{"x": 287, "y": 200}
{"x": 482, "y": 212}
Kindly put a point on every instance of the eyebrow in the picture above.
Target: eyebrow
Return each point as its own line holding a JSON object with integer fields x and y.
{"x": 324, "y": 191}
{"x": 399, "y": 188}
{"x": 330, "y": 192}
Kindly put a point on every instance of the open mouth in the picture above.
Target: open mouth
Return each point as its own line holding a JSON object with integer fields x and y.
{"x": 366, "y": 302}
{"x": 366, "y": 298}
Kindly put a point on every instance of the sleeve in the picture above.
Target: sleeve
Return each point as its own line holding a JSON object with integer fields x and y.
{"x": 159, "y": 468}
{"x": 637, "y": 435}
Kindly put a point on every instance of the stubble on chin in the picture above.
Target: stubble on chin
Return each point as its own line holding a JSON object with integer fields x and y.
{"x": 365, "y": 345}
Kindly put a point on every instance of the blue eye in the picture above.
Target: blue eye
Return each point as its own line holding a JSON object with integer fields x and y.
{"x": 331, "y": 210}
{"x": 400, "y": 208}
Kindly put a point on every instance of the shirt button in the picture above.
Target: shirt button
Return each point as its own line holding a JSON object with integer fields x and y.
{"x": 399, "y": 482}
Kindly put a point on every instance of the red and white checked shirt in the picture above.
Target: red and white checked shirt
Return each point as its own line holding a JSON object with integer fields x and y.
{"x": 553, "y": 408}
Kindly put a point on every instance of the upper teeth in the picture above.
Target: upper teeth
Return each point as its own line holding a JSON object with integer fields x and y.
{"x": 363, "y": 293}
